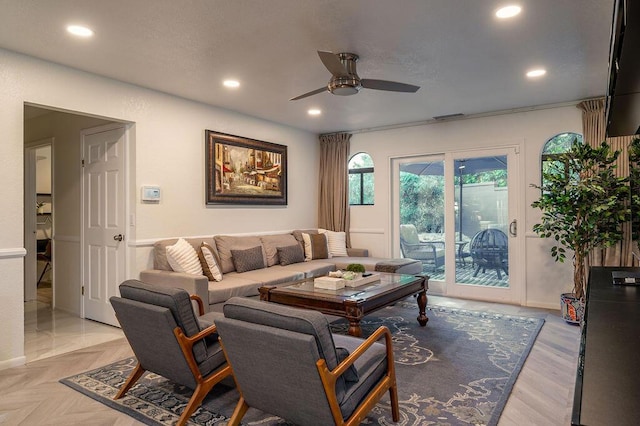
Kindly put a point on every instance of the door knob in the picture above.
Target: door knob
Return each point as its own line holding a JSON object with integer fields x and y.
{"x": 118, "y": 237}
{"x": 513, "y": 228}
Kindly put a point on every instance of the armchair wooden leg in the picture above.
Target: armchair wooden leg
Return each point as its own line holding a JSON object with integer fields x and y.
{"x": 395, "y": 409}
{"x": 202, "y": 390}
{"x": 131, "y": 380}
{"x": 238, "y": 413}
{"x": 196, "y": 399}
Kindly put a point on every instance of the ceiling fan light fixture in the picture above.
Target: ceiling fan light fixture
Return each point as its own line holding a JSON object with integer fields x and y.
{"x": 508, "y": 11}
{"x": 345, "y": 86}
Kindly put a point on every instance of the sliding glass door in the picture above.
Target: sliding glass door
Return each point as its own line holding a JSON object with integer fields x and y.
{"x": 455, "y": 215}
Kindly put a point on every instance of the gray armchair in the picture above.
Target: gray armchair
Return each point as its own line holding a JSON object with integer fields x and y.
{"x": 168, "y": 339}
{"x": 429, "y": 253}
{"x": 287, "y": 362}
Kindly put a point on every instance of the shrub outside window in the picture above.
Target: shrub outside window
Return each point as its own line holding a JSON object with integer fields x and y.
{"x": 361, "y": 180}
{"x": 553, "y": 148}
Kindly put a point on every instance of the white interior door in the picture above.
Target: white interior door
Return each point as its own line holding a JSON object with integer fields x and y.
{"x": 104, "y": 219}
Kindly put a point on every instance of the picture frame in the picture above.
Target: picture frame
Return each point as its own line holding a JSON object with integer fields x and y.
{"x": 240, "y": 170}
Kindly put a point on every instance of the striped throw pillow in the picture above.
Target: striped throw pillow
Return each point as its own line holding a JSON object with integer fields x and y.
{"x": 183, "y": 257}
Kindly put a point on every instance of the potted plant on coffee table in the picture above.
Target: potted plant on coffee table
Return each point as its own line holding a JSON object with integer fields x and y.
{"x": 584, "y": 205}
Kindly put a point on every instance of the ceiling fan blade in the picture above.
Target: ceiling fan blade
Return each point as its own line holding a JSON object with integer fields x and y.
{"x": 392, "y": 86}
{"x": 313, "y": 92}
{"x": 333, "y": 64}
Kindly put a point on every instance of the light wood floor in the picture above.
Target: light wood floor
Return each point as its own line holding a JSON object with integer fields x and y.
{"x": 543, "y": 393}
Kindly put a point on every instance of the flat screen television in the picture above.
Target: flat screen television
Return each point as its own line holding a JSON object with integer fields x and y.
{"x": 623, "y": 88}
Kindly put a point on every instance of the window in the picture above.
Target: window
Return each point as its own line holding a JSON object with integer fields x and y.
{"x": 361, "y": 180}
{"x": 554, "y": 148}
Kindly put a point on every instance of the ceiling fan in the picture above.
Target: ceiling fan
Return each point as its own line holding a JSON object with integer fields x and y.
{"x": 345, "y": 81}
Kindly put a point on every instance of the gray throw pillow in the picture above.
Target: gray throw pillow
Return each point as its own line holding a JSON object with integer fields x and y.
{"x": 290, "y": 254}
{"x": 248, "y": 259}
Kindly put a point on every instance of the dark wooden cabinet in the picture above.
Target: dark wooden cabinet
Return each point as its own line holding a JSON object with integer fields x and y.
{"x": 607, "y": 390}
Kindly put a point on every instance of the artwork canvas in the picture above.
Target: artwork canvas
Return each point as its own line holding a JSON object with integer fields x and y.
{"x": 245, "y": 171}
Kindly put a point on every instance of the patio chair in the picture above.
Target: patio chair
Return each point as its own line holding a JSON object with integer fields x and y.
{"x": 168, "y": 339}
{"x": 489, "y": 250}
{"x": 411, "y": 247}
{"x": 287, "y": 362}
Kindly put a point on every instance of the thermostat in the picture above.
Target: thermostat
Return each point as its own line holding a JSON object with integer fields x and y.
{"x": 150, "y": 193}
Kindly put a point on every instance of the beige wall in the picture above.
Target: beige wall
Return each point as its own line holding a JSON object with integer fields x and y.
{"x": 167, "y": 149}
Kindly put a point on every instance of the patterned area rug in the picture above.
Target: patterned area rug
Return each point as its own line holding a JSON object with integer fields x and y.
{"x": 458, "y": 370}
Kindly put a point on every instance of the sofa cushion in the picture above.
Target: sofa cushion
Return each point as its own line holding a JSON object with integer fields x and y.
{"x": 270, "y": 243}
{"x": 290, "y": 254}
{"x": 183, "y": 258}
{"x": 248, "y": 259}
{"x": 315, "y": 246}
{"x": 312, "y": 268}
{"x": 276, "y": 275}
{"x": 233, "y": 284}
{"x": 210, "y": 263}
{"x": 337, "y": 242}
{"x": 225, "y": 243}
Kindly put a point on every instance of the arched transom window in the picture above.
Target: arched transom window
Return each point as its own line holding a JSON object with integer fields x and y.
{"x": 361, "y": 179}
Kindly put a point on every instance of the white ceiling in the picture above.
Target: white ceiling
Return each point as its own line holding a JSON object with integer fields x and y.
{"x": 464, "y": 59}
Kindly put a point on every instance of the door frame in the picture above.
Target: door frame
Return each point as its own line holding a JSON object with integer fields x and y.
{"x": 125, "y": 200}
{"x": 517, "y": 290}
{"x": 30, "y": 220}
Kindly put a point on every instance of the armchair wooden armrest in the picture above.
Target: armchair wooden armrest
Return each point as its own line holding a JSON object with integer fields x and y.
{"x": 186, "y": 344}
{"x": 388, "y": 383}
{"x": 200, "y": 303}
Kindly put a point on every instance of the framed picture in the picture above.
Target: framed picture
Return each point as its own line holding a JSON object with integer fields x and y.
{"x": 245, "y": 171}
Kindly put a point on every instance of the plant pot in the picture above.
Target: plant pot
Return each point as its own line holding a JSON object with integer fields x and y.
{"x": 572, "y": 308}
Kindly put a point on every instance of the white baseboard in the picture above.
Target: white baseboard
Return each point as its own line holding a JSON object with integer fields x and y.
{"x": 14, "y": 362}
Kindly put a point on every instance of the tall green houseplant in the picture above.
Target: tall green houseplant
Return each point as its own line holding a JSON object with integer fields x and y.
{"x": 634, "y": 186}
{"x": 583, "y": 205}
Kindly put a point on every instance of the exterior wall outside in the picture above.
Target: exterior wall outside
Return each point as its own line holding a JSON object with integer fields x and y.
{"x": 370, "y": 225}
{"x": 167, "y": 149}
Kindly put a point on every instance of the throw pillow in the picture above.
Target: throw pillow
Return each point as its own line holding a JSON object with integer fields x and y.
{"x": 337, "y": 242}
{"x": 248, "y": 259}
{"x": 315, "y": 246}
{"x": 210, "y": 263}
{"x": 290, "y": 254}
{"x": 183, "y": 258}
{"x": 270, "y": 244}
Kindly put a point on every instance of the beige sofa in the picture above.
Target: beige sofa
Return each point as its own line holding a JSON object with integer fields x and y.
{"x": 233, "y": 283}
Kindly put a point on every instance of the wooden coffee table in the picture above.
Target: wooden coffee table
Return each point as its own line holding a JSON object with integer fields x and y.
{"x": 352, "y": 303}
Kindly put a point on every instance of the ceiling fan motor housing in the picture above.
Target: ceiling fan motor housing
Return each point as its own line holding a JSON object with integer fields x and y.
{"x": 350, "y": 83}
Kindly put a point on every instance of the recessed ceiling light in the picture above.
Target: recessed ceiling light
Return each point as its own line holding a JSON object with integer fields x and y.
{"x": 538, "y": 72}
{"x": 314, "y": 111}
{"x": 508, "y": 11}
{"x": 80, "y": 31}
{"x": 231, "y": 83}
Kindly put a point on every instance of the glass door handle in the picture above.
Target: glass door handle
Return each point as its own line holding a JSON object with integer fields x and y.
{"x": 513, "y": 228}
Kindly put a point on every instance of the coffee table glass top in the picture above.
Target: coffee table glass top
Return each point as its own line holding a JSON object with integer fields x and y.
{"x": 387, "y": 282}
